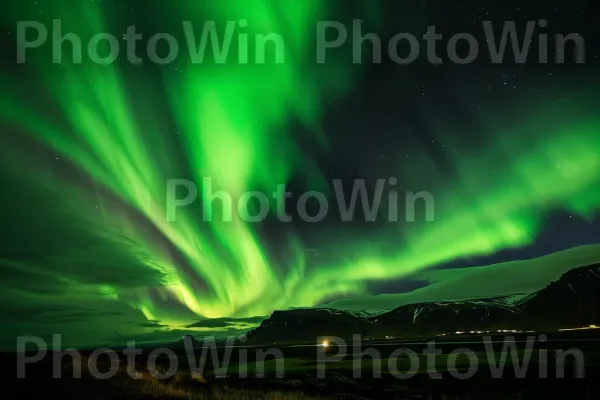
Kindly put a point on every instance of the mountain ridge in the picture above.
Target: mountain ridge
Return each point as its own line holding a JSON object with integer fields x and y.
{"x": 571, "y": 301}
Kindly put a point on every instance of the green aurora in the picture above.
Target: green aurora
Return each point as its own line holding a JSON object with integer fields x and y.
{"x": 233, "y": 124}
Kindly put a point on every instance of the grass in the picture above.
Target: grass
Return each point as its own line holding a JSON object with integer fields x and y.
{"x": 183, "y": 386}
{"x": 131, "y": 389}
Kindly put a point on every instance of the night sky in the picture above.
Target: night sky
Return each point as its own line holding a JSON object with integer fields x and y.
{"x": 510, "y": 153}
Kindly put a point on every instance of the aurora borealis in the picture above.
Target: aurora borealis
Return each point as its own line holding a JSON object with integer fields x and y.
{"x": 90, "y": 149}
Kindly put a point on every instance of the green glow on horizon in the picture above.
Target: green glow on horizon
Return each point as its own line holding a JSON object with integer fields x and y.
{"x": 114, "y": 132}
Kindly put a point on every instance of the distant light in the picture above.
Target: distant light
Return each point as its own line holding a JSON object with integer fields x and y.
{"x": 579, "y": 329}
{"x": 325, "y": 343}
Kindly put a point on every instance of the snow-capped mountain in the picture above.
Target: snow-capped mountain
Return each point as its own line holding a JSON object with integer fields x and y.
{"x": 570, "y": 302}
{"x": 434, "y": 318}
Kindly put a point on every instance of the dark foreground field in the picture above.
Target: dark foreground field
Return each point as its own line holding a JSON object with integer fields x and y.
{"x": 298, "y": 372}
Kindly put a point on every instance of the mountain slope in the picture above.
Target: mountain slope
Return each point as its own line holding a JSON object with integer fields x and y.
{"x": 570, "y": 302}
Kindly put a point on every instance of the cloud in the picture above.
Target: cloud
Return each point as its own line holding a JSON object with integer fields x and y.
{"x": 152, "y": 324}
{"x": 227, "y": 322}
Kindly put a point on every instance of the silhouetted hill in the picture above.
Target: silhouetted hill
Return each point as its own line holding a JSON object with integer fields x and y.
{"x": 571, "y": 301}
{"x": 300, "y": 325}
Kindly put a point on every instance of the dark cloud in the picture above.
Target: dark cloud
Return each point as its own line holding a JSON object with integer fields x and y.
{"x": 152, "y": 324}
{"x": 53, "y": 313}
{"x": 104, "y": 264}
{"x": 169, "y": 336}
{"x": 226, "y": 322}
